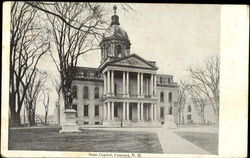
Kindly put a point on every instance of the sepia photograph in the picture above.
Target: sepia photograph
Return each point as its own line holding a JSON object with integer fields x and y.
{"x": 115, "y": 79}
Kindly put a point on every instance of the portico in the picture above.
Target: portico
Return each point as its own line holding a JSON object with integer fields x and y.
{"x": 129, "y": 92}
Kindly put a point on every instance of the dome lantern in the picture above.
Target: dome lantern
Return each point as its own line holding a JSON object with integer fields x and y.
{"x": 115, "y": 42}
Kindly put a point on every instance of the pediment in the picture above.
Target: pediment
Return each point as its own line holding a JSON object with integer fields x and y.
{"x": 134, "y": 61}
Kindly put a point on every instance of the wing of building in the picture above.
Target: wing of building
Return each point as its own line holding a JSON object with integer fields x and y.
{"x": 125, "y": 89}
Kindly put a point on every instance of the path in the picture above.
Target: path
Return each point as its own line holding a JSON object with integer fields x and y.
{"x": 170, "y": 142}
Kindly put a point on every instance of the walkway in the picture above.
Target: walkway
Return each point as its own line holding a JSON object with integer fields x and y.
{"x": 170, "y": 142}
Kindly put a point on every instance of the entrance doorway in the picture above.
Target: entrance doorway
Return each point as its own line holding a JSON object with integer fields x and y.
{"x": 130, "y": 112}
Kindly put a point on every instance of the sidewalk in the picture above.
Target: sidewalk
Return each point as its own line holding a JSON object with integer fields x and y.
{"x": 170, "y": 142}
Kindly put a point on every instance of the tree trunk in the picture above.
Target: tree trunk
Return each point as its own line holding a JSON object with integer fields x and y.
{"x": 179, "y": 118}
{"x": 12, "y": 105}
{"x": 45, "y": 118}
{"x": 15, "y": 119}
{"x": 203, "y": 119}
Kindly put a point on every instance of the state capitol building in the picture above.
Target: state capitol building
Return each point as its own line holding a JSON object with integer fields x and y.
{"x": 125, "y": 89}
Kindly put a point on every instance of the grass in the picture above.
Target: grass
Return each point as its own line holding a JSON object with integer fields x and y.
{"x": 49, "y": 139}
{"x": 206, "y": 141}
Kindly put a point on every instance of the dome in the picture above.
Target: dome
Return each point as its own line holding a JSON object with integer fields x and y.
{"x": 116, "y": 32}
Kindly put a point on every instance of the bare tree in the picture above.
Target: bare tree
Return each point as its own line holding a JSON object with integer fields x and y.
{"x": 46, "y": 98}
{"x": 27, "y": 46}
{"x": 76, "y": 29}
{"x": 181, "y": 100}
{"x": 70, "y": 42}
{"x": 207, "y": 80}
{"x": 198, "y": 99}
{"x": 58, "y": 88}
{"x": 36, "y": 85}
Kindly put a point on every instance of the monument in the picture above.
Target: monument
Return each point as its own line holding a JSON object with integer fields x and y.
{"x": 69, "y": 124}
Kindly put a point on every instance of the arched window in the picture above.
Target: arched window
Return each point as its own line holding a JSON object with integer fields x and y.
{"x": 85, "y": 93}
{"x": 118, "y": 51}
{"x": 162, "y": 97}
{"x": 170, "y": 96}
{"x": 189, "y": 108}
{"x": 74, "y": 91}
{"x": 96, "y": 92}
{"x": 109, "y": 53}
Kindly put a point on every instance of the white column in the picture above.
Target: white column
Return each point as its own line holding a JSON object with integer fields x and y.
{"x": 142, "y": 118}
{"x": 155, "y": 112}
{"x": 104, "y": 82}
{"x": 151, "y": 112}
{"x": 127, "y": 82}
{"x": 127, "y": 111}
{"x": 108, "y": 104}
{"x": 123, "y": 111}
{"x": 151, "y": 85}
{"x": 138, "y": 83}
{"x": 138, "y": 111}
{"x": 123, "y": 83}
{"x": 155, "y": 84}
{"x": 112, "y": 110}
{"x": 108, "y": 84}
{"x": 142, "y": 83}
{"x": 112, "y": 81}
{"x": 104, "y": 111}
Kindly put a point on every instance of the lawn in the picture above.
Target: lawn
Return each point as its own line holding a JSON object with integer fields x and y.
{"x": 49, "y": 139}
{"x": 206, "y": 141}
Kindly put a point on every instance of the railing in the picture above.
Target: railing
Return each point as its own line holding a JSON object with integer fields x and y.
{"x": 130, "y": 95}
{"x": 133, "y": 95}
{"x": 165, "y": 83}
{"x": 88, "y": 76}
{"x": 147, "y": 96}
{"x": 118, "y": 95}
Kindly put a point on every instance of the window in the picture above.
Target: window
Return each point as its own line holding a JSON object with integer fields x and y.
{"x": 85, "y": 93}
{"x": 168, "y": 80}
{"x": 115, "y": 89}
{"x": 85, "y": 123}
{"x": 162, "y": 112}
{"x": 96, "y": 92}
{"x": 74, "y": 106}
{"x": 86, "y": 110}
{"x": 115, "y": 111}
{"x": 160, "y": 80}
{"x": 97, "y": 110}
{"x": 96, "y": 74}
{"x": 74, "y": 91}
{"x": 118, "y": 51}
{"x": 189, "y": 108}
{"x": 170, "y": 110}
{"x": 85, "y": 74}
{"x": 97, "y": 123}
{"x": 189, "y": 117}
{"x": 162, "y": 97}
{"x": 109, "y": 50}
{"x": 170, "y": 96}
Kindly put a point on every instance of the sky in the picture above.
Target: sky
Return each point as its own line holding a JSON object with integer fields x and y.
{"x": 176, "y": 36}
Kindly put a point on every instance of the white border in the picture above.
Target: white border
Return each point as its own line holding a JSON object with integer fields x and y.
{"x": 234, "y": 88}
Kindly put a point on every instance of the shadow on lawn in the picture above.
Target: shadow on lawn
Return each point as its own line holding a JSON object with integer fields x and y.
{"x": 49, "y": 139}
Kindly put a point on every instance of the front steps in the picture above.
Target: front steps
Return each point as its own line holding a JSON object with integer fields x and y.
{"x": 107, "y": 124}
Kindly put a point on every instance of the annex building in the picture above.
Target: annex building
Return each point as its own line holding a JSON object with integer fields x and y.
{"x": 125, "y": 89}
